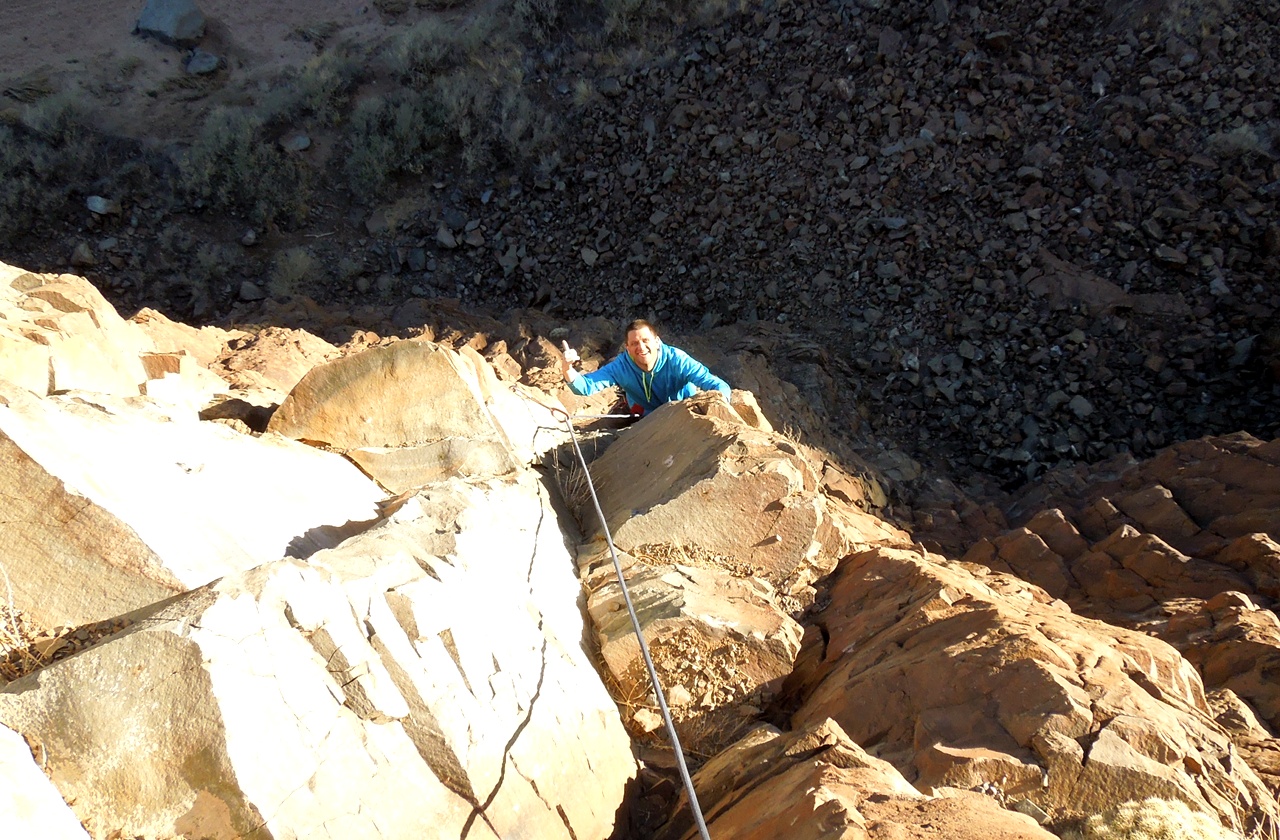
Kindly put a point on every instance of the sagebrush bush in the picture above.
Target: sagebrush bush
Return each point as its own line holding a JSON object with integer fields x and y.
{"x": 1152, "y": 819}
{"x": 43, "y": 155}
{"x": 233, "y": 167}
{"x": 1246, "y": 141}
{"x": 290, "y": 270}
{"x": 539, "y": 18}
{"x": 391, "y": 136}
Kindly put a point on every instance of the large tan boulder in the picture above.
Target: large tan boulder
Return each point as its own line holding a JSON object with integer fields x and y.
{"x": 817, "y": 784}
{"x": 693, "y": 474}
{"x": 113, "y": 504}
{"x": 721, "y": 645}
{"x": 927, "y": 660}
{"x": 402, "y": 393}
{"x": 58, "y": 333}
{"x": 411, "y": 396}
{"x": 425, "y": 679}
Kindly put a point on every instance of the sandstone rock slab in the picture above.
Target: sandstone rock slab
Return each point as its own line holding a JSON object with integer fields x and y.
{"x": 685, "y": 477}
{"x": 426, "y": 678}
{"x": 720, "y": 644}
{"x": 86, "y": 344}
{"x": 169, "y": 504}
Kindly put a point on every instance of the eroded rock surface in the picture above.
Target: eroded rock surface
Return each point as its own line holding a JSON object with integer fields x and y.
{"x": 817, "y": 784}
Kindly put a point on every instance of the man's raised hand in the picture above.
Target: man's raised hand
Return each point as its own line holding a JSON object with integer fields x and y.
{"x": 570, "y": 356}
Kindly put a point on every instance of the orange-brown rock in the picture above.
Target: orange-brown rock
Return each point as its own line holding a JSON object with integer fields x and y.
{"x": 272, "y": 359}
{"x": 817, "y": 784}
{"x": 926, "y": 659}
{"x": 1235, "y": 646}
{"x": 721, "y": 645}
{"x": 692, "y": 473}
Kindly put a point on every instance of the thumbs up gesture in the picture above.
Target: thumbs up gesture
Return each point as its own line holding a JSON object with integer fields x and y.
{"x": 566, "y": 365}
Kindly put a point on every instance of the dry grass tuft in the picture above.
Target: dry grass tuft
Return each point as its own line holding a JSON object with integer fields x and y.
{"x": 1152, "y": 819}
{"x": 26, "y": 647}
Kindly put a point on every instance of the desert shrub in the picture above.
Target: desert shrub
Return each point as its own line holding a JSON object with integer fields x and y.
{"x": 233, "y": 167}
{"x": 421, "y": 53}
{"x": 214, "y": 261}
{"x": 433, "y": 47}
{"x": 1152, "y": 819}
{"x": 638, "y": 20}
{"x": 391, "y": 136}
{"x": 290, "y": 270}
{"x": 43, "y": 154}
{"x": 465, "y": 98}
{"x": 1247, "y": 141}
{"x": 528, "y": 132}
{"x": 323, "y": 84}
{"x": 318, "y": 90}
{"x": 539, "y": 18}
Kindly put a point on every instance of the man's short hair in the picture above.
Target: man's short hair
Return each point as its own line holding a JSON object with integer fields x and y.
{"x": 639, "y": 324}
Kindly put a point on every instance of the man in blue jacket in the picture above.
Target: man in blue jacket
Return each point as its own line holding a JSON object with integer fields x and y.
{"x": 650, "y": 373}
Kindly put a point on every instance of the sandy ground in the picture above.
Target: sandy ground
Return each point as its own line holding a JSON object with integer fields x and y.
{"x": 47, "y": 46}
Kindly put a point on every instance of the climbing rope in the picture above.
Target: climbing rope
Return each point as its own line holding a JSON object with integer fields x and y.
{"x": 635, "y": 621}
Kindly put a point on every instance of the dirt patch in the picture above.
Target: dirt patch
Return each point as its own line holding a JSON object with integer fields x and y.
{"x": 138, "y": 87}
{"x": 665, "y": 554}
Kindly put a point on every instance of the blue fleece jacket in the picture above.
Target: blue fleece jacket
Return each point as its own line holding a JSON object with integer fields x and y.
{"x": 675, "y": 376}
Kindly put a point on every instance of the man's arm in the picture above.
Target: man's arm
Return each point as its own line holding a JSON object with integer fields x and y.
{"x": 699, "y": 375}
{"x": 585, "y": 384}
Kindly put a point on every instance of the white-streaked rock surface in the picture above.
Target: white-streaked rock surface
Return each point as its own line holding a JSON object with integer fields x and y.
{"x": 29, "y": 805}
{"x": 426, "y": 678}
{"x": 175, "y": 503}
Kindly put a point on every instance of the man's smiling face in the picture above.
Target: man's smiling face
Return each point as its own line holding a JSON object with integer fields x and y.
{"x": 643, "y": 346}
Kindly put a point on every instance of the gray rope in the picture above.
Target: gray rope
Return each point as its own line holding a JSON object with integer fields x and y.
{"x": 635, "y": 623}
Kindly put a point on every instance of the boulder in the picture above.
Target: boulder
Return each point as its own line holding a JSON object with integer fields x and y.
{"x": 1022, "y": 552}
{"x": 1258, "y": 557}
{"x": 176, "y": 22}
{"x": 425, "y": 679}
{"x": 721, "y": 645}
{"x": 205, "y": 344}
{"x": 407, "y": 413}
{"x": 693, "y": 474}
{"x": 273, "y": 359}
{"x": 167, "y": 504}
{"x": 940, "y": 666}
{"x": 1169, "y": 572}
{"x": 398, "y": 394}
{"x": 1155, "y": 510}
{"x": 816, "y": 783}
{"x": 1235, "y": 646}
